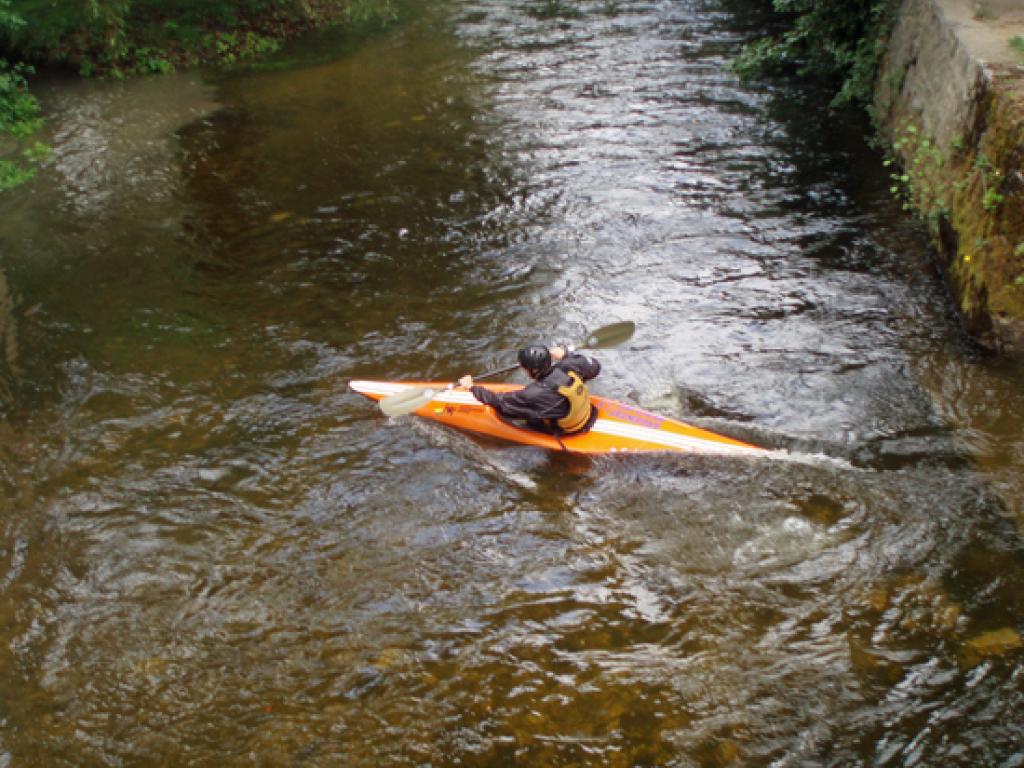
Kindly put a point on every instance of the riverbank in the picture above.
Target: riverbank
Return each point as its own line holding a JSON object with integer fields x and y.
{"x": 949, "y": 99}
{"x": 142, "y": 37}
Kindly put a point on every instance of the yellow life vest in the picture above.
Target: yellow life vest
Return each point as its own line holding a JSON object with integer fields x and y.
{"x": 578, "y": 395}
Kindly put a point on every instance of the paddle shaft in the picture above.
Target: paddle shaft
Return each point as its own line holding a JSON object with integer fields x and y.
{"x": 410, "y": 400}
{"x": 492, "y": 374}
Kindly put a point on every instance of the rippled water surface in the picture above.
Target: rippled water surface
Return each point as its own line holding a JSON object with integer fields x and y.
{"x": 212, "y": 553}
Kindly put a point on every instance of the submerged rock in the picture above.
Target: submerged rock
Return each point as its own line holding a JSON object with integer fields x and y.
{"x": 998, "y": 642}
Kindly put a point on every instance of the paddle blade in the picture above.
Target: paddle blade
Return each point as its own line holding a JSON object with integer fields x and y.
{"x": 406, "y": 402}
{"x": 610, "y": 335}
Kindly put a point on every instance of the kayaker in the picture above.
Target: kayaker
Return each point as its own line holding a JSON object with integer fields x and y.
{"x": 557, "y": 400}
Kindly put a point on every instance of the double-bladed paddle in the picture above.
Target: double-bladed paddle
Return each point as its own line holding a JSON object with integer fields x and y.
{"x": 412, "y": 399}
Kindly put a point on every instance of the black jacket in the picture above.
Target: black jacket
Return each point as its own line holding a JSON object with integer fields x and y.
{"x": 538, "y": 402}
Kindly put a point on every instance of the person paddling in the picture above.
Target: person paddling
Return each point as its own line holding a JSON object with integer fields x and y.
{"x": 556, "y": 400}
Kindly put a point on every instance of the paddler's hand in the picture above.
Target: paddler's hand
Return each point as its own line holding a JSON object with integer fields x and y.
{"x": 466, "y": 381}
{"x": 557, "y": 353}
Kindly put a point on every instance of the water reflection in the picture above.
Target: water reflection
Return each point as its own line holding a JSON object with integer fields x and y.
{"x": 113, "y": 143}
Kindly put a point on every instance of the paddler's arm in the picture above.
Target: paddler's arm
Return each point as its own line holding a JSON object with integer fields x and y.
{"x": 482, "y": 394}
{"x": 587, "y": 367}
{"x": 511, "y": 405}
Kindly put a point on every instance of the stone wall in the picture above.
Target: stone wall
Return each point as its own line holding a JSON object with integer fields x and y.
{"x": 950, "y": 100}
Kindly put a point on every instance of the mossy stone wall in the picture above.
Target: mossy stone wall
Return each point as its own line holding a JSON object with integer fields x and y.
{"x": 953, "y": 113}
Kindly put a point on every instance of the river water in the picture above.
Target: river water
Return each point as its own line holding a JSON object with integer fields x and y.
{"x": 212, "y": 553}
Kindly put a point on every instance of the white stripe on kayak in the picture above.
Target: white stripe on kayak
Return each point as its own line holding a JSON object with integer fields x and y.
{"x": 384, "y": 389}
{"x": 378, "y": 387}
{"x": 603, "y": 426}
{"x": 669, "y": 439}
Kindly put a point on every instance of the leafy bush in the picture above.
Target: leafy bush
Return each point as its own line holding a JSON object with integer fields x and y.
{"x": 118, "y": 37}
{"x": 371, "y": 12}
{"x": 19, "y": 110}
{"x": 839, "y": 41}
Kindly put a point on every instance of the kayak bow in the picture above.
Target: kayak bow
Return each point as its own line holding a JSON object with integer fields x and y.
{"x": 620, "y": 428}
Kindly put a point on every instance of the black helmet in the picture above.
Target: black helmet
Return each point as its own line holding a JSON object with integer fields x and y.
{"x": 536, "y": 360}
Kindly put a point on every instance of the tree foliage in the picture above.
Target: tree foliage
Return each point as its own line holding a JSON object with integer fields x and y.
{"x": 139, "y": 36}
{"x": 839, "y": 41}
{"x": 19, "y": 110}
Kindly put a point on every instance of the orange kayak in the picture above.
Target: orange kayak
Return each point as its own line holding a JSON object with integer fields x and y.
{"x": 619, "y": 428}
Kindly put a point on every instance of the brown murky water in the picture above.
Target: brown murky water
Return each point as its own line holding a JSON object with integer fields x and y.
{"x": 212, "y": 554}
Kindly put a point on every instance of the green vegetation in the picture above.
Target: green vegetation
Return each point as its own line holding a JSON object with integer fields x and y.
{"x": 19, "y": 112}
{"x": 968, "y": 188}
{"x": 837, "y": 41}
{"x": 123, "y": 37}
{"x": 369, "y": 12}
{"x": 919, "y": 181}
{"x": 983, "y": 12}
{"x": 991, "y": 179}
{"x": 1017, "y": 43}
{"x": 983, "y": 242}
